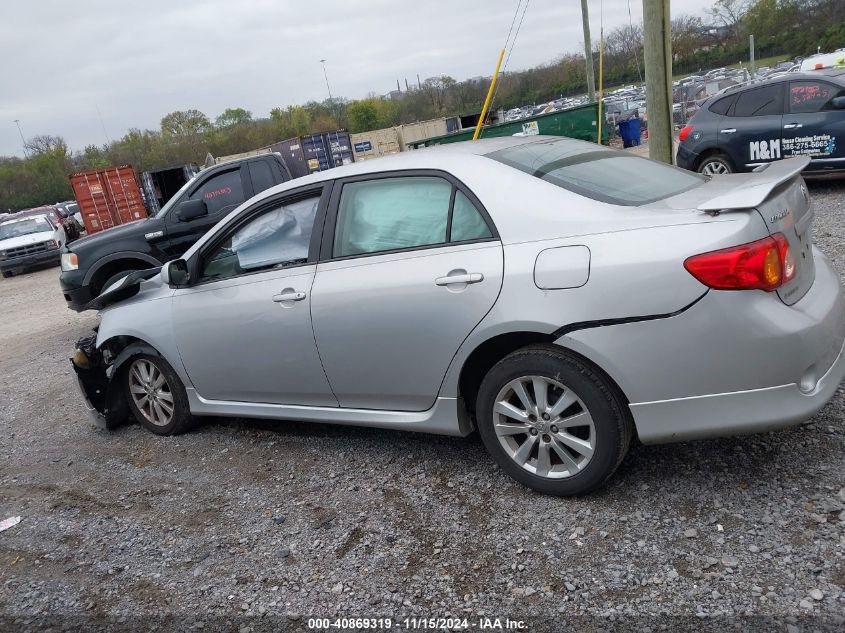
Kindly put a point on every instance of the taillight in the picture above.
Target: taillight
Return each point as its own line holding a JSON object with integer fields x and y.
{"x": 766, "y": 264}
{"x": 684, "y": 133}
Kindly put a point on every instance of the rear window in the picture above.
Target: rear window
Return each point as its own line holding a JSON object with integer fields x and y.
{"x": 764, "y": 101}
{"x": 600, "y": 174}
{"x": 721, "y": 106}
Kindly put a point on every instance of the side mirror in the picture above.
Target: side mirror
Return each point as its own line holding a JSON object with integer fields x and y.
{"x": 175, "y": 273}
{"x": 191, "y": 209}
{"x": 838, "y": 103}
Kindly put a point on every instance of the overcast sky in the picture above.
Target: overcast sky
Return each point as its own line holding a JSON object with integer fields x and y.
{"x": 137, "y": 61}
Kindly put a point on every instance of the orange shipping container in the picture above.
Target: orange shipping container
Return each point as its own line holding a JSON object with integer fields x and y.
{"x": 108, "y": 197}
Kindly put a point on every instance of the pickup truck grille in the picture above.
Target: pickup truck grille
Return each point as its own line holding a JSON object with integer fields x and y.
{"x": 29, "y": 249}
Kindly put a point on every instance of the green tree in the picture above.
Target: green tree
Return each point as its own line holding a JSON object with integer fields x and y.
{"x": 95, "y": 157}
{"x": 300, "y": 120}
{"x": 234, "y": 116}
{"x": 185, "y": 123}
{"x": 363, "y": 115}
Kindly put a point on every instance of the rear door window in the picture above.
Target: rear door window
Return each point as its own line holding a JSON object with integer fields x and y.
{"x": 467, "y": 223}
{"x": 760, "y": 101}
{"x": 391, "y": 214}
{"x": 812, "y": 96}
{"x": 405, "y": 212}
{"x": 601, "y": 174}
{"x": 262, "y": 176}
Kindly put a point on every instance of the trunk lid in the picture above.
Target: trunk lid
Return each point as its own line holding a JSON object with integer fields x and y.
{"x": 779, "y": 195}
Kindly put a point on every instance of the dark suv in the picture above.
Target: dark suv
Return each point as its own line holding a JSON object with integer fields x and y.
{"x": 95, "y": 262}
{"x": 797, "y": 114}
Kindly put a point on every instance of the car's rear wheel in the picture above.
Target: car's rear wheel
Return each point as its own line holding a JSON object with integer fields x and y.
{"x": 552, "y": 421}
{"x": 156, "y": 395}
{"x": 715, "y": 164}
{"x": 8, "y": 273}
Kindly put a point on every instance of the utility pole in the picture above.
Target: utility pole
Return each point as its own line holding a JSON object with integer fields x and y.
{"x": 753, "y": 63}
{"x": 658, "y": 78}
{"x": 588, "y": 51}
{"x": 23, "y": 142}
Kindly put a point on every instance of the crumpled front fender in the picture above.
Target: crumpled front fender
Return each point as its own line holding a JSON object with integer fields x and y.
{"x": 100, "y": 384}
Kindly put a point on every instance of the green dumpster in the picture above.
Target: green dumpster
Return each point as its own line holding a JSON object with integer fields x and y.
{"x": 578, "y": 122}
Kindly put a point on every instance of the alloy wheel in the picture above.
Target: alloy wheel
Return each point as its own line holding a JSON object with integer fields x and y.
{"x": 544, "y": 427}
{"x": 714, "y": 168}
{"x": 150, "y": 392}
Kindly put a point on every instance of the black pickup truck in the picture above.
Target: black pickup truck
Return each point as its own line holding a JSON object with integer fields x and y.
{"x": 93, "y": 263}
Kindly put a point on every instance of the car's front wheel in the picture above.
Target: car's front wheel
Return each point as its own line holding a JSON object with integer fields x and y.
{"x": 715, "y": 164}
{"x": 552, "y": 422}
{"x": 156, "y": 395}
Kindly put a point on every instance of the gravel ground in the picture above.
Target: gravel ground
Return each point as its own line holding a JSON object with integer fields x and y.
{"x": 257, "y": 526}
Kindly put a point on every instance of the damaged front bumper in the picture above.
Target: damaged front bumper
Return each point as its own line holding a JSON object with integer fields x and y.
{"x": 97, "y": 418}
{"x": 105, "y": 405}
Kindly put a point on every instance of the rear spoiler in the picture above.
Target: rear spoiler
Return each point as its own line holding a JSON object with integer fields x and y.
{"x": 758, "y": 187}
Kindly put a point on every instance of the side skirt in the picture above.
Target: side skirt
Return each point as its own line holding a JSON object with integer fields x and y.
{"x": 447, "y": 416}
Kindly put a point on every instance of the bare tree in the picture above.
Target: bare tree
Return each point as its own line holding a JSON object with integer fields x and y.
{"x": 688, "y": 35}
{"x": 46, "y": 144}
{"x": 728, "y": 13}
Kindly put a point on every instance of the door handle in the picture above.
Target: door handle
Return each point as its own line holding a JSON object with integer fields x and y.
{"x": 792, "y": 126}
{"x": 729, "y": 130}
{"x": 466, "y": 278}
{"x": 288, "y": 296}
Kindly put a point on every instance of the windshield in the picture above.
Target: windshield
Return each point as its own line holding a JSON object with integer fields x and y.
{"x": 23, "y": 227}
{"x": 601, "y": 174}
{"x": 169, "y": 204}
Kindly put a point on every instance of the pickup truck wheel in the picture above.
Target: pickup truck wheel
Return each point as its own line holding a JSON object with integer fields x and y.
{"x": 116, "y": 277}
{"x": 7, "y": 273}
{"x": 553, "y": 422}
{"x": 156, "y": 396}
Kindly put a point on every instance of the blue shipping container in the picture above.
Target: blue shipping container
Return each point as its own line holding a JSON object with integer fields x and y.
{"x": 315, "y": 152}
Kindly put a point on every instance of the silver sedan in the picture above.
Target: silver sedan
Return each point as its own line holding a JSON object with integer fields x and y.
{"x": 559, "y": 296}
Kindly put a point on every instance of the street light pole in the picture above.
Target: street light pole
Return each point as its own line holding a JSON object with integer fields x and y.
{"x": 329, "y": 88}
{"x": 23, "y": 142}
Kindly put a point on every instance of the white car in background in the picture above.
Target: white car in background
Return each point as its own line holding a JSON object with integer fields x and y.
{"x": 29, "y": 241}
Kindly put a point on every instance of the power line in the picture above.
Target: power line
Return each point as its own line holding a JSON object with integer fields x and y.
{"x": 516, "y": 35}
{"x": 513, "y": 21}
{"x": 512, "y": 43}
{"x": 636, "y": 57}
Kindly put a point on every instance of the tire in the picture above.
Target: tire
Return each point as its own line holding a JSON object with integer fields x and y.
{"x": 114, "y": 278}
{"x": 583, "y": 450}
{"x": 8, "y": 273}
{"x": 156, "y": 417}
{"x": 716, "y": 164}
